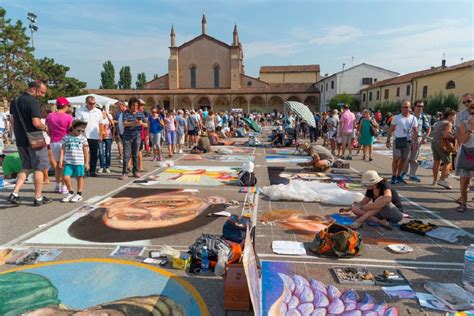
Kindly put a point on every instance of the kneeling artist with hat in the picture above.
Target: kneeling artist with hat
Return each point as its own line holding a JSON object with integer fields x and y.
{"x": 381, "y": 203}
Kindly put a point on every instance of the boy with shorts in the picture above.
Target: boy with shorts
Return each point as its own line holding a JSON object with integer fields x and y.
{"x": 74, "y": 160}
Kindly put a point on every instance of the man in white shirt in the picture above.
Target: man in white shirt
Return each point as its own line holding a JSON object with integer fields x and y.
{"x": 404, "y": 127}
{"x": 93, "y": 116}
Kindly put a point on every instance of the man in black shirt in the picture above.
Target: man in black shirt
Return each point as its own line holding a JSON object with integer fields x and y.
{"x": 381, "y": 203}
{"x": 26, "y": 108}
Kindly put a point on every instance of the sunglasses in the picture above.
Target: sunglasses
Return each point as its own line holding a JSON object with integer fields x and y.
{"x": 405, "y": 107}
{"x": 466, "y": 102}
{"x": 420, "y": 106}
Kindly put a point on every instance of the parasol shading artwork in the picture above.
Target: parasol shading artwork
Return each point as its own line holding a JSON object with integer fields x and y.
{"x": 301, "y": 111}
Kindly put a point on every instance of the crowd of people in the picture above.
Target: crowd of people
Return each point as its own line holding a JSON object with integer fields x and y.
{"x": 79, "y": 141}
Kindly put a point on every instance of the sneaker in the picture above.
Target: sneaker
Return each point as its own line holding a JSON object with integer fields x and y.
{"x": 445, "y": 184}
{"x": 65, "y": 190}
{"x": 401, "y": 179}
{"x": 100, "y": 170}
{"x": 403, "y": 175}
{"x": 12, "y": 199}
{"x": 123, "y": 177}
{"x": 394, "y": 180}
{"x": 180, "y": 151}
{"x": 57, "y": 188}
{"x": 77, "y": 198}
{"x": 44, "y": 200}
{"x": 415, "y": 178}
{"x": 107, "y": 170}
{"x": 349, "y": 157}
{"x": 68, "y": 197}
{"x": 136, "y": 175}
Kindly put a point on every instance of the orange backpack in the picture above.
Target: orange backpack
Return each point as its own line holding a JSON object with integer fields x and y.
{"x": 336, "y": 240}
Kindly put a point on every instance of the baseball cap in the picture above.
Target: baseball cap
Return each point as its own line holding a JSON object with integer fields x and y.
{"x": 61, "y": 102}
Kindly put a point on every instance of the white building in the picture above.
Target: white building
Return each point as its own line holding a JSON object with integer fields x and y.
{"x": 351, "y": 81}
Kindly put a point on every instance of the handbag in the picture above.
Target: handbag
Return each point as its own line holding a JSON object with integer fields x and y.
{"x": 35, "y": 138}
{"x": 447, "y": 145}
{"x": 465, "y": 158}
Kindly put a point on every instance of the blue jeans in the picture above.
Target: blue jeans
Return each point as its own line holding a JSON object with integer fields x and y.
{"x": 105, "y": 153}
{"x": 130, "y": 148}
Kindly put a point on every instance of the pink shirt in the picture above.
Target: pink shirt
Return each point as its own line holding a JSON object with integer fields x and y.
{"x": 58, "y": 124}
{"x": 347, "y": 119}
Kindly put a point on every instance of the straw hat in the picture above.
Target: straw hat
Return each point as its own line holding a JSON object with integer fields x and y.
{"x": 304, "y": 146}
{"x": 371, "y": 177}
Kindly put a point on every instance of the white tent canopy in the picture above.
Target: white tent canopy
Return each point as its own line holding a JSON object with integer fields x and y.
{"x": 81, "y": 100}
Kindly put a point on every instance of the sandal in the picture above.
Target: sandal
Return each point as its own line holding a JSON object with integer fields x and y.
{"x": 386, "y": 224}
{"x": 461, "y": 208}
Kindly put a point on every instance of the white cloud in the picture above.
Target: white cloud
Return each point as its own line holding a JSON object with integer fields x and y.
{"x": 338, "y": 35}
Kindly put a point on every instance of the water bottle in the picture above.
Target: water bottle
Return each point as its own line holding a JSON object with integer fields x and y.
{"x": 468, "y": 273}
{"x": 221, "y": 261}
{"x": 204, "y": 259}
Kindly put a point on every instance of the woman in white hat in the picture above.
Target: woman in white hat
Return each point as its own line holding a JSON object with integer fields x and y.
{"x": 381, "y": 203}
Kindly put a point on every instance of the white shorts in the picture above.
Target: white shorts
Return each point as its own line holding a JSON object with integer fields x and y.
{"x": 181, "y": 139}
{"x": 56, "y": 150}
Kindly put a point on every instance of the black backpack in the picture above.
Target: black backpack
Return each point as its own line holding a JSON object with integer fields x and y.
{"x": 247, "y": 179}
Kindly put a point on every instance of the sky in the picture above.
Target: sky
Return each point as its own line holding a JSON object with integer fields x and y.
{"x": 403, "y": 35}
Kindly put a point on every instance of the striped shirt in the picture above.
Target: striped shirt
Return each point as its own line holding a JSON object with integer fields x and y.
{"x": 132, "y": 131}
{"x": 74, "y": 149}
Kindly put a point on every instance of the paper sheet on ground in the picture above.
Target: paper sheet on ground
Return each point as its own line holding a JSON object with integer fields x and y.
{"x": 402, "y": 291}
{"x": 284, "y": 247}
{"x": 313, "y": 191}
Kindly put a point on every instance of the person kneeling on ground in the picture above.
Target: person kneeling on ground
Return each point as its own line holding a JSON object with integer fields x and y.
{"x": 11, "y": 165}
{"x": 322, "y": 159}
{"x": 381, "y": 203}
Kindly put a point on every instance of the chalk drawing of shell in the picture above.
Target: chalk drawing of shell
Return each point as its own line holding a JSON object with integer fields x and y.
{"x": 303, "y": 297}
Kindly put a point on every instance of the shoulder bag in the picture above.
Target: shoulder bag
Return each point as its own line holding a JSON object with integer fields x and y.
{"x": 465, "y": 158}
{"x": 447, "y": 145}
{"x": 35, "y": 138}
{"x": 402, "y": 142}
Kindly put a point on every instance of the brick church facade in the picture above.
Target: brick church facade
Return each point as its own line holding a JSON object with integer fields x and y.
{"x": 206, "y": 72}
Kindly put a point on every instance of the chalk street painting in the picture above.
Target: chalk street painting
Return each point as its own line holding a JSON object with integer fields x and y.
{"x": 197, "y": 175}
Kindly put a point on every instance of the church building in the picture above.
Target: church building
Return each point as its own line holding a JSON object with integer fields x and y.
{"x": 206, "y": 72}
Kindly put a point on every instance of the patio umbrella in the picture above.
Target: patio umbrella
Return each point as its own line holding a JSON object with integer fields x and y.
{"x": 252, "y": 124}
{"x": 300, "y": 110}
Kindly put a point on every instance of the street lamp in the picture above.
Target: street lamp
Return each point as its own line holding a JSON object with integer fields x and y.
{"x": 33, "y": 28}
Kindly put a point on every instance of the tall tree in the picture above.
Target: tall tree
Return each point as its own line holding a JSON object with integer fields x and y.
{"x": 155, "y": 76}
{"x": 107, "y": 76}
{"x": 54, "y": 75}
{"x": 125, "y": 81}
{"x": 16, "y": 57}
{"x": 141, "y": 80}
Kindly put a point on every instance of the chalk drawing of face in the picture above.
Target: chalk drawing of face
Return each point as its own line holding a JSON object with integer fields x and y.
{"x": 155, "y": 211}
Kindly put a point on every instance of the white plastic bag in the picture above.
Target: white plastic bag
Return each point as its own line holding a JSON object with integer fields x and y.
{"x": 224, "y": 151}
{"x": 166, "y": 163}
{"x": 312, "y": 191}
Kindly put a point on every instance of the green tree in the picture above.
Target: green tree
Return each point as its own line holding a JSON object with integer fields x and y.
{"x": 54, "y": 75}
{"x": 388, "y": 106}
{"x": 438, "y": 102}
{"x": 107, "y": 76}
{"x": 155, "y": 76}
{"x": 141, "y": 80}
{"x": 16, "y": 57}
{"x": 344, "y": 99}
{"x": 125, "y": 80}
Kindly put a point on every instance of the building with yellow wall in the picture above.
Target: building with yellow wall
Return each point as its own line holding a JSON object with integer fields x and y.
{"x": 457, "y": 80}
{"x": 290, "y": 74}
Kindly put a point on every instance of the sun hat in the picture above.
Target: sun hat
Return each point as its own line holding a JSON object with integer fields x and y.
{"x": 304, "y": 146}
{"x": 61, "y": 102}
{"x": 248, "y": 166}
{"x": 371, "y": 177}
{"x": 141, "y": 101}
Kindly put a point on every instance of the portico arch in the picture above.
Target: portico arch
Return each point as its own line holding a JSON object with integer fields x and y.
{"x": 257, "y": 104}
{"x": 240, "y": 103}
{"x": 275, "y": 103}
{"x": 184, "y": 103}
{"x": 221, "y": 103}
{"x": 294, "y": 98}
{"x": 202, "y": 102}
{"x": 312, "y": 102}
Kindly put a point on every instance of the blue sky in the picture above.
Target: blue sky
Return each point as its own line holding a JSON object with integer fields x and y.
{"x": 402, "y": 35}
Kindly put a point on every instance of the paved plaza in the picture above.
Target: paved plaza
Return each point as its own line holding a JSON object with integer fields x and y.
{"x": 63, "y": 225}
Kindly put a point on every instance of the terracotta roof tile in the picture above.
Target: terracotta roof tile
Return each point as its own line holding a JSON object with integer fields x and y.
{"x": 296, "y": 68}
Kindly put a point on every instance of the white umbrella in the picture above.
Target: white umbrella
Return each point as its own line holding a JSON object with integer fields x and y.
{"x": 81, "y": 100}
{"x": 302, "y": 111}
